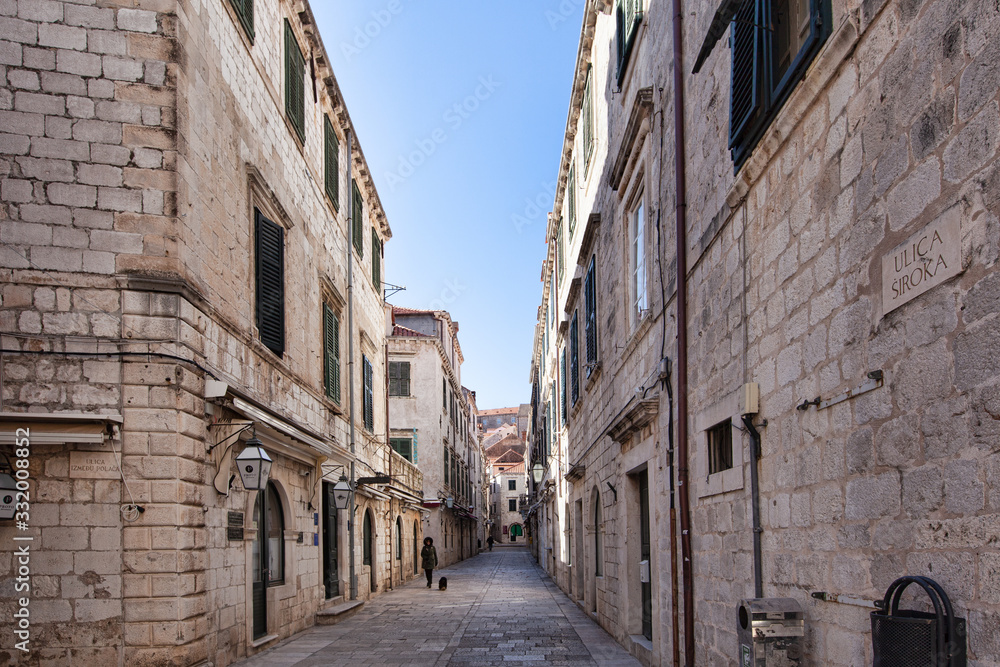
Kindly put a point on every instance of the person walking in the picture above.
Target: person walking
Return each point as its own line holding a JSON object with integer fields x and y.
{"x": 489, "y": 542}
{"x": 428, "y": 559}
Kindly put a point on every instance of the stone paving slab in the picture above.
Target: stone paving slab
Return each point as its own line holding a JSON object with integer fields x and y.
{"x": 500, "y": 610}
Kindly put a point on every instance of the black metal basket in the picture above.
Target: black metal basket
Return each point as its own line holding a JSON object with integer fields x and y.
{"x": 904, "y": 638}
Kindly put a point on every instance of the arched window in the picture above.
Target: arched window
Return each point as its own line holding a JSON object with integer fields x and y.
{"x": 399, "y": 538}
{"x": 271, "y": 528}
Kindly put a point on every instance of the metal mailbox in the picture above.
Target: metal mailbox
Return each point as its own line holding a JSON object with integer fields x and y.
{"x": 769, "y": 632}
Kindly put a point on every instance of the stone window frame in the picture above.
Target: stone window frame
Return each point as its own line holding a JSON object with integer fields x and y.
{"x": 330, "y": 297}
{"x": 636, "y": 197}
{"x": 723, "y": 481}
{"x": 510, "y": 502}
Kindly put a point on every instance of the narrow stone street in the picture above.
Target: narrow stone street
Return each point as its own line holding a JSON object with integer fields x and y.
{"x": 500, "y": 609}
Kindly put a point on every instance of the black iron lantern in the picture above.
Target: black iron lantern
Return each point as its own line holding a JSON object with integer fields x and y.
{"x": 537, "y": 472}
{"x": 254, "y": 465}
{"x": 342, "y": 493}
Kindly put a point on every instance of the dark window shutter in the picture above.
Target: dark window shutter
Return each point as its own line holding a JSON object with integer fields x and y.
{"x": 590, "y": 315}
{"x": 331, "y": 163}
{"x": 369, "y": 395}
{"x": 357, "y": 213}
{"x": 562, "y": 387}
{"x": 404, "y": 378}
{"x": 744, "y": 100}
{"x": 588, "y": 125}
{"x": 571, "y": 198}
{"x": 295, "y": 72}
{"x": 244, "y": 10}
{"x": 574, "y": 360}
{"x": 376, "y": 263}
{"x": 559, "y": 252}
{"x": 331, "y": 353}
{"x": 270, "y": 269}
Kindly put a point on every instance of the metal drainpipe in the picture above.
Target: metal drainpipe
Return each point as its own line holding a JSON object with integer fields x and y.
{"x": 682, "y": 360}
{"x": 350, "y": 365}
{"x": 758, "y": 577}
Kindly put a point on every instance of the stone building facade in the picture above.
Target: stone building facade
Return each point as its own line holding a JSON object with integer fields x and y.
{"x": 433, "y": 422}
{"x": 177, "y": 185}
{"x": 815, "y": 182}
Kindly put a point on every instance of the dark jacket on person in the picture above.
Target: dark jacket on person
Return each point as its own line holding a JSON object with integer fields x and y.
{"x": 428, "y": 557}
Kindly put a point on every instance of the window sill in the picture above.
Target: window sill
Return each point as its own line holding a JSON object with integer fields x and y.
{"x": 592, "y": 378}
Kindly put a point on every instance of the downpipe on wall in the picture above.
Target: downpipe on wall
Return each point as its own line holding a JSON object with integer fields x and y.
{"x": 680, "y": 194}
{"x": 350, "y": 368}
{"x": 758, "y": 576}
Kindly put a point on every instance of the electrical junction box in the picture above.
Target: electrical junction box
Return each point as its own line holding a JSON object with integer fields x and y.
{"x": 644, "y": 571}
{"x": 769, "y": 633}
{"x": 750, "y": 398}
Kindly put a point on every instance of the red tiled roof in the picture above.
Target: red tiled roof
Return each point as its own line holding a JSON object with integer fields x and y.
{"x": 398, "y": 330}
{"x": 507, "y": 468}
{"x": 409, "y": 311}
{"x": 498, "y": 411}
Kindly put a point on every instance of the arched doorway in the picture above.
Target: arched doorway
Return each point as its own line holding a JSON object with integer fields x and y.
{"x": 399, "y": 547}
{"x": 267, "y": 553}
{"x": 598, "y": 570}
{"x": 515, "y": 532}
{"x": 368, "y": 549}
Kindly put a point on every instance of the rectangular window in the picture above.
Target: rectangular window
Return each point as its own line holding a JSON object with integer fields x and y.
{"x": 512, "y": 485}
{"x": 244, "y": 10}
{"x": 512, "y": 504}
{"x": 590, "y": 314}
{"x": 403, "y": 447}
{"x": 562, "y": 387}
{"x": 559, "y": 254}
{"x": 628, "y": 16}
{"x": 588, "y": 121}
{"x": 368, "y": 396}
{"x": 269, "y": 248}
{"x": 399, "y": 378}
{"x": 637, "y": 263}
{"x": 331, "y": 163}
{"x": 376, "y": 263}
{"x": 331, "y": 354}
{"x": 720, "y": 447}
{"x": 444, "y": 394}
{"x": 571, "y": 199}
{"x": 772, "y": 44}
{"x": 574, "y": 360}
{"x": 447, "y": 467}
{"x": 295, "y": 84}
{"x": 357, "y": 215}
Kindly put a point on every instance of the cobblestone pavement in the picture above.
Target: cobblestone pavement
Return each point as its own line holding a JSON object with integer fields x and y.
{"x": 500, "y": 609}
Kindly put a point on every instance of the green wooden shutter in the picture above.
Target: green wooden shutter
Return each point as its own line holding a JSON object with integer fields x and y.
{"x": 376, "y": 263}
{"x": 244, "y": 10}
{"x": 574, "y": 359}
{"x": 270, "y": 270}
{"x": 562, "y": 387}
{"x": 744, "y": 99}
{"x": 559, "y": 253}
{"x": 331, "y": 163}
{"x": 571, "y": 198}
{"x": 590, "y": 315}
{"x": 369, "y": 395}
{"x": 357, "y": 212}
{"x": 295, "y": 93}
{"x": 331, "y": 353}
{"x": 588, "y": 125}
{"x": 404, "y": 378}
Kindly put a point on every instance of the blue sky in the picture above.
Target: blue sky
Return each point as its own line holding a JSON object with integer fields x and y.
{"x": 460, "y": 110}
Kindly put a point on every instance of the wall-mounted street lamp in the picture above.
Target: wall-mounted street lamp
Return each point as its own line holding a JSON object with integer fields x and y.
{"x": 254, "y": 465}
{"x": 449, "y": 502}
{"x": 537, "y": 472}
{"x": 8, "y": 494}
{"x": 342, "y": 493}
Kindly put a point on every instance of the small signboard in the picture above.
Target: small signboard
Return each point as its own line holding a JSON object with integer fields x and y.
{"x": 93, "y": 465}
{"x": 925, "y": 260}
{"x": 234, "y": 531}
{"x": 745, "y": 656}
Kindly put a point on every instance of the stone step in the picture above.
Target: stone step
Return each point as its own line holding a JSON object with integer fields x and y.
{"x": 338, "y": 613}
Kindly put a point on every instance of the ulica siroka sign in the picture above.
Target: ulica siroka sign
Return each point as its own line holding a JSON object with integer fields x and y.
{"x": 924, "y": 260}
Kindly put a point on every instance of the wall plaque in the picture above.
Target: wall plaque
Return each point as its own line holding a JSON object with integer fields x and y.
{"x": 234, "y": 531}
{"x": 925, "y": 260}
{"x": 93, "y": 465}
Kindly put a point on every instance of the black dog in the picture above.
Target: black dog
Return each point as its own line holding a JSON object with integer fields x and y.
{"x": 443, "y": 584}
